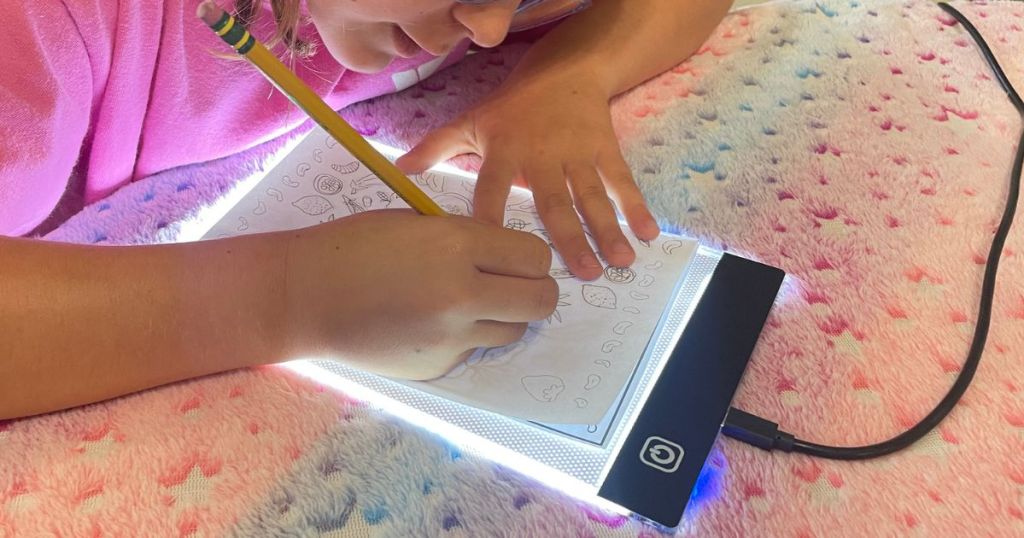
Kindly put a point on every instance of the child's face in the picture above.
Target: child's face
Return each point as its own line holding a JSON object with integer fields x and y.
{"x": 365, "y": 35}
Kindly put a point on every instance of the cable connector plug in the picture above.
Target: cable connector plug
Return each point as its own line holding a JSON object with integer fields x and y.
{"x": 756, "y": 431}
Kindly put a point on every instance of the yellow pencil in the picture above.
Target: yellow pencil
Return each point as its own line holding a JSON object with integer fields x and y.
{"x": 291, "y": 86}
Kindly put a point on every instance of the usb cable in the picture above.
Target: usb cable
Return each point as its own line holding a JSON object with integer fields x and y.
{"x": 765, "y": 434}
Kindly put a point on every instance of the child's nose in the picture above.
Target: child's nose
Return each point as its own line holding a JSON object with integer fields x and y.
{"x": 487, "y": 24}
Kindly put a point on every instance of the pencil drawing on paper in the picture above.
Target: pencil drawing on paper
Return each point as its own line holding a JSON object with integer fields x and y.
{"x": 515, "y": 223}
{"x": 434, "y": 182}
{"x": 275, "y": 194}
{"x": 385, "y": 198}
{"x": 596, "y": 340}
{"x": 610, "y": 345}
{"x": 501, "y": 355}
{"x": 328, "y": 184}
{"x": 352, "y": 205}
{"x": 621, "y": 327}
{"x": 364, "y": 182}
{"x": 526, "y": 206}
{"x": 543, "y": 388}
{"x": 455, "y": 203}
{"x": 562, "y": 301}
{"x": 671, "y": 245}
{"x": 313, "y": 205}
{"x": 347, "y": 168}
{"x": 599, "y": 296}
{"x": 561, "y": 272}
{"x": 619, "y": 275}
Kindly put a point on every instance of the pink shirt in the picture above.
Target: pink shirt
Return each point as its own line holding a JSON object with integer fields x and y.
{"x": 110, "y": 91}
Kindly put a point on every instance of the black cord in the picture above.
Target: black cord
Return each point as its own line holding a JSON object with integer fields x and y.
{"x": 765, "y": 434}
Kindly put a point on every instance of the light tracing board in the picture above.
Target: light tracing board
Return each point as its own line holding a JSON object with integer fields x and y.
{"x": 646, "y": 455}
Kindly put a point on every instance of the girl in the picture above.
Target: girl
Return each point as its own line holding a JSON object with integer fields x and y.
{"x": 104, "y": 92}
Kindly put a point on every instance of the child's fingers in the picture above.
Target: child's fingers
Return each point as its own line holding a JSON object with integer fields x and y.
{"x": 557, "y": 211}
{"x": 491, "y": 192}
{"x": 488, "y": 333}
{"x": 437, "y": 146}
{"x": 593, "y": 203}
{"x": 623, "y": 189}
{"x": 514, "y": 300}
{"x": 500, "y": 251}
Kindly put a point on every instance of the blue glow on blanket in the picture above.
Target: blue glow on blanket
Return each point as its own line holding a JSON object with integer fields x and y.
{"x": 470, "y": 442}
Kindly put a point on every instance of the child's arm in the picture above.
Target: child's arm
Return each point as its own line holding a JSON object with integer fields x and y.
{"x": 83, "y": 324}
{"x": 387, "y": 291}
{"x": 548, "y": 127}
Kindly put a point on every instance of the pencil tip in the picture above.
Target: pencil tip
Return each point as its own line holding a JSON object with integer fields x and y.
{"x": 209, "y": 12}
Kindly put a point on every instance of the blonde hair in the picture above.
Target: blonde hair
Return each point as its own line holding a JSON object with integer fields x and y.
{"x": 288, "y": 18}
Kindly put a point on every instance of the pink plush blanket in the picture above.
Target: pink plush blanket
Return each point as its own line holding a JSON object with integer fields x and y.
{"x": 860, "y": 145}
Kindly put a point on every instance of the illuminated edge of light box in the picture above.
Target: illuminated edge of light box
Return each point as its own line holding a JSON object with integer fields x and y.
{"x": 580, "y": 467}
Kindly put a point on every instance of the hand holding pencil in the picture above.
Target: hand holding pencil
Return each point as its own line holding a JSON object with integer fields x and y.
{"x": 232, "y": 32}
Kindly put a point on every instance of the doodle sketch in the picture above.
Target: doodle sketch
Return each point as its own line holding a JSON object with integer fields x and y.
{"x": 352, "y": 205}
{"x": 434, "y": 182}
{"x": 544, "y": 388}
{"x": 562, "y": 301}
{"x": 560, "y": 272}
{"x": 275, "y": 194}
{"x": 313, "y": 205}
{"x": 363, "y": 183}
{"x": 515, "y": 224}
{"x": 599, "y": 296}
{"x": 621, "y": 327}
{"x": 347, "y": 168}
{"x": 567, "y": 369}
{"x": 385, "y": 199}
{"x": 328, "y": 184}
{"x": 619, "y": 275}
{"x": 610, "y": 346}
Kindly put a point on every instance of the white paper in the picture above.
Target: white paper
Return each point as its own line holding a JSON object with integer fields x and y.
{"x": 568, "y": 369}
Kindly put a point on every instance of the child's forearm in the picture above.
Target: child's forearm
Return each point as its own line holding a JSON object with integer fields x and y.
{"x": 617, "y": 44}
{"x": 81, "y": 324}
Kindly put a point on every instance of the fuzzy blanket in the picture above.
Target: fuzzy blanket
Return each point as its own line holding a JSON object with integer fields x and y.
{"x": 862, "y": 146}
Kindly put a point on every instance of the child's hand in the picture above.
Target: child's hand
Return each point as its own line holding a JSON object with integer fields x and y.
{"x": 554, "y": 135}
{"x": 409, "y": 296}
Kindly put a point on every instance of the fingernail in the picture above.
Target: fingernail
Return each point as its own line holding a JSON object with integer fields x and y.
{"x": 589, "y": 261}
